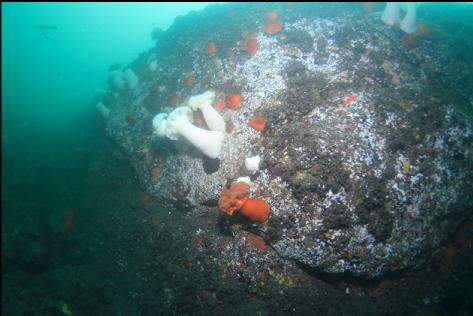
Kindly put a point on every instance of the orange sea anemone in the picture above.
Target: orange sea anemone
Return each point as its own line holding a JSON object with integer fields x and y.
{"x": 271, "y": 15}
{"x": 173, "y": 100}
{"x": 189, "y": 81}
{"x": 256, "y": 241}
{"x": 250, "y": 46}
{"x": 411, "y": 41}
{"x": 220, "y": 105}
{"x": 369, "y": 7}
{"x": 231, "y": 200}
{"x": 255, "y": 210}
{"x": 233, "y": 101}
{"x": 258, "y": 123}
{"x": 423, "y": 30}
{"x": 349, "y": 98}
{"x": 273, "y": 27}
{"x": 199, "y": 119}
{"x": 156, "y": 173}
{"x": 211, "y": 48}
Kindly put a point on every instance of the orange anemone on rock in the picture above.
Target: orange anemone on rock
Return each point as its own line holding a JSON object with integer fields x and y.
{"x": 273, "y": 27}
{"x": 410, "y": 41}
{"x": 250, "y": 46}
{"x": 199, "y": 119}
{"x": 423, "y": 30}
{"x": 255, "y": 210}
{"x": 349, "y": 98}
{"x": 258, "y": 123}
{"x": 173, "y": 100}
{"x": 233, "y": 101}
{"x": 369, "y": 7}
{"x": 231, "y": 200}
{"x": 189, "y": 81}
{"x": 272, "y": 15}
{"x": 220, "y": 105}
{"x": 413, "y": 40}
{"x": 256, "y": 241}
{"x": 211, "y": 48}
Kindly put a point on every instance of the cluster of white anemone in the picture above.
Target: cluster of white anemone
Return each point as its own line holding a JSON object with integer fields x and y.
{"x": 391, "y": 16}
{"x": 122, "y": 79}
{"x": 178, "y": 124}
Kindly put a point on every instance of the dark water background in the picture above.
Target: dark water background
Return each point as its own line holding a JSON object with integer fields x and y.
{"x": 72, "y": 208}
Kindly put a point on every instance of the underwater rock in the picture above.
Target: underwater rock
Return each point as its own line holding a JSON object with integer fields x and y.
{"x": 347, "y": 107}
{"x": 34, "y": 258}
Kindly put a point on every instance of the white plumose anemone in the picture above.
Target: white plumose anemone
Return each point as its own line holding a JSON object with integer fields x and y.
{"x": 391, "y": 13}
{"x": 408, "y": 24}
{"x": 252, "y": 163}
{"x": 123, "y": 79}
{"x": 203, "y": 102}
{"x": 391, "y": 16}
{"x": 117, "y": 79}
{"x": 103, "y": 109}
{"x": 178, "y": 124}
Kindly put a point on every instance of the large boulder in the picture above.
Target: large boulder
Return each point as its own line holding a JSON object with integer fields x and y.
{"x": 367, "y": 153}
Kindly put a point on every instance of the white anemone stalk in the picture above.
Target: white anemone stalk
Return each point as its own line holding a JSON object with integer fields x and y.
{"x": 178, "y": 124}
{"x": 103, "y": 110}
{"x": 391, "y": 13}
{"x": 203, "y": 102}
{"x": 408, "y": 24}
{"x": 117, "y": 79}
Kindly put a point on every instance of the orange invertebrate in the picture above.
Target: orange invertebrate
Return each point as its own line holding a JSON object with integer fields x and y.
{"x": 258, "y": 123}
{"x": 369, "y": 7}
{"x": 233, "y": 101}
{"x": 273, "y": 27}
{"x": 410, "y": 41}
{"x": 272, "y": 15}
{"x": 255, "y": 210}
{"x": 349, "y": 98}
{"x": 256, "y": 241}
{"x": 156, "y": 172}
{"x": 250, "y": 46}
{"x": 220, "y": 105}
{"x": 189, "y": 81}
{"x": 173, "y": 100}
{"x": 211, "y": 48}
{"x": 199, "y": 119}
